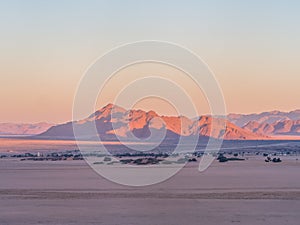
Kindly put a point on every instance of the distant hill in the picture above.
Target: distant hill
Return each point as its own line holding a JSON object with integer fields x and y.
{"x": 265, "y": 117}
{"x": 274, "y": 123}
{"x": 286, "y": 127}
{"x": 114, "y": 122}
{"x": 23, "y": 128}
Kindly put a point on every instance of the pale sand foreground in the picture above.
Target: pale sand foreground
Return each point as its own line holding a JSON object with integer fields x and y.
{"x": 249, "y": 192}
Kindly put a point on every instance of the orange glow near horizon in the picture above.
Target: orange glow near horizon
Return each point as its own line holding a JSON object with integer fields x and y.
{"x": 252, "y": 48}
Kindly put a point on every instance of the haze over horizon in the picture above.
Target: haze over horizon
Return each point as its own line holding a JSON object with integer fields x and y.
{"x": 252, "y": 47}
{"x": 147, "y": 109}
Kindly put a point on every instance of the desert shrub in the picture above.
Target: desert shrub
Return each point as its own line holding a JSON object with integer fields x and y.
{"x": 276, "y": 160}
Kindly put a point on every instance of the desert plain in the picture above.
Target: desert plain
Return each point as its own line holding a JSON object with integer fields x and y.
{"x": 69, "y": 192}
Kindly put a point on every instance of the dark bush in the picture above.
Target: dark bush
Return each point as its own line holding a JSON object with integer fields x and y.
{"x": 276, "y": 160}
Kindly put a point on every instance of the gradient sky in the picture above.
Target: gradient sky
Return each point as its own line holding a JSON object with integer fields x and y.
{"x": 253, "y": 47}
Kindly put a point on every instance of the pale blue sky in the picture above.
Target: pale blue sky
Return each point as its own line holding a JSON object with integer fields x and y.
{"x": 252, "y": 46}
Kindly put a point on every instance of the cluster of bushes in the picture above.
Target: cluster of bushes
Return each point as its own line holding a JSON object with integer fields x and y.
{"x": 141, "y": 161}
{"x": 223, "y": 158}
{"x": 275, "y": 160}
{"x": 192, "y": 160}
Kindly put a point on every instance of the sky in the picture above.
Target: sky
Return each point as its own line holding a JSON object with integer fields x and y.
{"x": 252, "y": 47}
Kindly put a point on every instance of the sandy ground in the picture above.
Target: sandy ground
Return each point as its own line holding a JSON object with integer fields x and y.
{"x": 22, "y": 145}
{"x": 248, "y": 192}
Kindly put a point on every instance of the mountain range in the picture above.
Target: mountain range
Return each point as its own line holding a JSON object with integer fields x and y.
{"x": 264, "y": 117}
{"x": 285, "y": 127}
{"x": 272, "y": 123}
{"x": 113, "y": 122}
{"x": 23, "y": 128}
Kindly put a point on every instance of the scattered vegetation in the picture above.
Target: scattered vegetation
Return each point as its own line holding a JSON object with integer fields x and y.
{"x": 192, "y": 160}
{"x": 141, "y": 161}
{"x": 223, "y": 158}
{"x": 274, "y": 160}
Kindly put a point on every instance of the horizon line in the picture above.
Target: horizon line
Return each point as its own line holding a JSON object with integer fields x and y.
{"x": 170, "y": 115}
